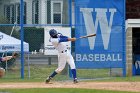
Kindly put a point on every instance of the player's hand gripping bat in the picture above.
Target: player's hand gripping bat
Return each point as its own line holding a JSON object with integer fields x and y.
{"x": 91, "y": 35}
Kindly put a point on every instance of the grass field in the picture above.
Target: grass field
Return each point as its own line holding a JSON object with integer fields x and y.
{"x": 59, "y": 90}
{"x": 42, "y": 71}
{"x": 111, "y": 79}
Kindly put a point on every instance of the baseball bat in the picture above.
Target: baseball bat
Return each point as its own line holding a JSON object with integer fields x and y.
{"x": 91, "y": 35}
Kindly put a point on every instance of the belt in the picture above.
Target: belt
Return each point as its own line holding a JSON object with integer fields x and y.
{"x": 64, "y": 51}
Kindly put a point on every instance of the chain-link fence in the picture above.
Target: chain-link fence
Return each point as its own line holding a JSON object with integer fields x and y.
{"x": 37, "y": 15}
{"x": 35, "y": 60}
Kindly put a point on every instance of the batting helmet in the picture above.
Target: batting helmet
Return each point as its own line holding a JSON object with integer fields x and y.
{"x": 53, "y": 33}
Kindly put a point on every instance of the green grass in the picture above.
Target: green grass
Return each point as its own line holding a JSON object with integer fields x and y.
{"x": 112, "y": 79}
{"x": 40, "y": 72}
{"x": 59, "y": 90}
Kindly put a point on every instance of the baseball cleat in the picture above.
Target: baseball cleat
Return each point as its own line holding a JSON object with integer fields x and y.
{"x": 75, "y": 81}
{"x": 48, "y": 80}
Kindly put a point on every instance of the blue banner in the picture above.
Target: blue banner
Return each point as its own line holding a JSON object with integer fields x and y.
{"x": 106, "y": 19}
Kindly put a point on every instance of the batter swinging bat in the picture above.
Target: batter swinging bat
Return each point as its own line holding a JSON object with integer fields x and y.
{"x": 91, "y": 35}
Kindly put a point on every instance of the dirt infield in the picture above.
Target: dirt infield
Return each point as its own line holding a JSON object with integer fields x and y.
{"x": 121, "y": 86}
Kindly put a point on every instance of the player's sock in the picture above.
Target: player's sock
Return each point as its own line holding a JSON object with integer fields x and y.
{"x": 53, "y": 74}
{"x": 74, "y": 73}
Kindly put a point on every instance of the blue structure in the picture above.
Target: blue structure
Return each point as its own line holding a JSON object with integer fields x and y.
{"x": 106, "y": 19}
{"x": 22, "y": 37}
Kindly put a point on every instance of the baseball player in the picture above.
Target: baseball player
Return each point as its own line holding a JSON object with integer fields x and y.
{"x": 4, "y": 59}
{"x": 2, "y": 68}
{"x": 64, "y": 55}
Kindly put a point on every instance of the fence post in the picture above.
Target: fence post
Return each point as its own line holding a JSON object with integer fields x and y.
{"x": 22, "y": 38}
{"x": 49, "y": 60}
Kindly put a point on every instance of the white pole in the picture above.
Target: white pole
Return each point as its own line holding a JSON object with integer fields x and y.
{"x": 12, "y": 29}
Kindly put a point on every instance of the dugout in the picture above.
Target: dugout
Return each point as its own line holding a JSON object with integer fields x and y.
{"x": 133, "y": 47}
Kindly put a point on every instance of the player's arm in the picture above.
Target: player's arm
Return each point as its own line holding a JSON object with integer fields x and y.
{"x": 71, "y": 39}
{"x": 65, "y": 39}
{"x": 6, "y": 58}
{"x": 14, "y": 55}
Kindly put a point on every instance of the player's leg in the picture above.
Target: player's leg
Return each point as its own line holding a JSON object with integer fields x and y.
{"x": 61, "y": 66}
{"x": 70, "y": 61}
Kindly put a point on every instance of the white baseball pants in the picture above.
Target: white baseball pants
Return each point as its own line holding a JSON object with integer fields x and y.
{"x": 64, "y": 58}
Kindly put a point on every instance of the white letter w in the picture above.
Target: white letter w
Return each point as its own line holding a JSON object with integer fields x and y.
{"x": 101, "y": 18}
